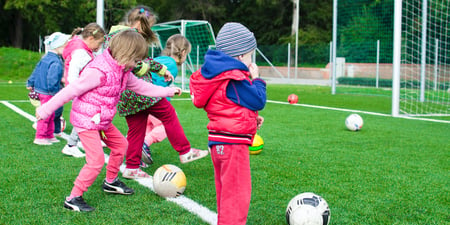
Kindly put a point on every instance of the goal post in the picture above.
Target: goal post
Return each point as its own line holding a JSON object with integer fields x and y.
{"x": 421, "y": 62}
{"x": 199, "y": 33}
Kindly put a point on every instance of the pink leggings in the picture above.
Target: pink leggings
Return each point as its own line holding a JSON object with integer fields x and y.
{"x": 233, "y": 182}
{"x": 95, "y": 157}
{"x": 45, "y": 128}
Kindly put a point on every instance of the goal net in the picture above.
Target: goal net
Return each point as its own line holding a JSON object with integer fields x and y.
{"x": 423, "y": 73}
{"x": 199, "y": 33}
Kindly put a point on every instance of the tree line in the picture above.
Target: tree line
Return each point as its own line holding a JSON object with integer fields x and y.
{"x": 24, "y": 21}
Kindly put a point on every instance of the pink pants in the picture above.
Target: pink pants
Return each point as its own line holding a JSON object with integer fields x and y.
{"x": 137, "y": 125}
{"x": 154, "y": 132}
{"x": 95, "y": 157}
{"x": 233, "y": 182}
{"x": 45, "y": 128}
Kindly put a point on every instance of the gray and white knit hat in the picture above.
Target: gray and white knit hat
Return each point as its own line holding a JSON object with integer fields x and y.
{"x": 235, "y": 39}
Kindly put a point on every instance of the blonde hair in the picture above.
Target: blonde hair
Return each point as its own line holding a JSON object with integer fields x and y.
{"x": 92, "y": 29}
{"x": 175, "y": 45}
{"x": 128, "y": 46}
{"x": 147, "y": 19}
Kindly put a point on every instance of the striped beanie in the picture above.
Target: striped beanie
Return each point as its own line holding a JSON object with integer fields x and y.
{"x": 235, "y": 39}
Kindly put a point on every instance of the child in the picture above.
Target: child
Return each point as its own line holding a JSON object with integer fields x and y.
{"x": 77, "y": 54}
{"x": 227, "y": 87}
{"x": 136, "y": 108}
{"x": 173, "y": 55}
{"x": 46, "y": 81}
{"x": 95, "y": 95}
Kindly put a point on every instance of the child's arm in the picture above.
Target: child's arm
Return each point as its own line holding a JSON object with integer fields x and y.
{"x": 250, "y": 95}
{"x": 149, "y": 64}
{"x": 148, "y": 89}
{"x": 77, "y": 88}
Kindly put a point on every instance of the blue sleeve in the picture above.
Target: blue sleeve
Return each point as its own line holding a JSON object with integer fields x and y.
{"x": 32, "y": 78}
{"x": 251, "y": 96}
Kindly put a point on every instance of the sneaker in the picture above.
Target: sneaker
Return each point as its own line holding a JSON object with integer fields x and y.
{"x": 41, "y": 141}
{"x": 134, "y": 173}
{"x": 53, "y": 140}
{"x": 78, "y": 204}
{"x": 192, "y": 155}
{"x": 146, "y": 154}
{"x": 143, "y": 164}
{"x": 72, "y": 151}
{"x": 117, "y": 187}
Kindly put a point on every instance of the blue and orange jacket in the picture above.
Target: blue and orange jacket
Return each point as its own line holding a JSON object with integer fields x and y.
{"x": 230, "y": 98}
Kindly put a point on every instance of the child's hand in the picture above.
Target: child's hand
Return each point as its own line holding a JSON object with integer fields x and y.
{"x": 259, "y": 121}
{"x": 168, "y": 76}
{"x": 37, "y": 114}
{"x": 254, "y": 71}
{"x": 178, "y": 91}
{"x": 30, "y": 88}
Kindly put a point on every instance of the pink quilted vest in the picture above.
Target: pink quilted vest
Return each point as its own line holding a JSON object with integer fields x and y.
{"x": 103, "y": 99}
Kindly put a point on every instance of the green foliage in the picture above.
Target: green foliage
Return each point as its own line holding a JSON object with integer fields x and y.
{"x": 17, "y": 64}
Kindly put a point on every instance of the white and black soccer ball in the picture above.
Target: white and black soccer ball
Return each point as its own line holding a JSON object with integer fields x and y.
{"x": 354, "y": 122}
{"x": 169, "y": 181}
{"x": 308, "y": 209}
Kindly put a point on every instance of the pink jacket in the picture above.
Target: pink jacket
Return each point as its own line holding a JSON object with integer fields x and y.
{"x": 97, "y": 92}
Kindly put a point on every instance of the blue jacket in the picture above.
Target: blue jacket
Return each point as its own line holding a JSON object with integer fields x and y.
{"x": 46, "y": 77}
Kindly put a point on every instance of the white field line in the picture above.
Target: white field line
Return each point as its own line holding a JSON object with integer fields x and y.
{"x": 204, "y": 213}
{"x": 358, "y": 111}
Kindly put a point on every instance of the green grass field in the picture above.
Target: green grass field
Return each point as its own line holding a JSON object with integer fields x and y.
{"x": 393, "y": 171}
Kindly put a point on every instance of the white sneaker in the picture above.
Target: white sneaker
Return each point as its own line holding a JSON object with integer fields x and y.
{"x": 192, "y": 155}
{"x": 134, "y": 173}
{"x": 41, "y": 141}
{"x": 72, "y": 151}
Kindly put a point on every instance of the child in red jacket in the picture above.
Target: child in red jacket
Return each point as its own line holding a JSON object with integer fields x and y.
{"x": 229, "y": 89}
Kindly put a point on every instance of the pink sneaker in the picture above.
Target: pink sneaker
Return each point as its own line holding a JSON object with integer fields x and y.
{"x": 192, "y": 155}
{"x": 53, "y": 140}
{"x": 134, "y": 174}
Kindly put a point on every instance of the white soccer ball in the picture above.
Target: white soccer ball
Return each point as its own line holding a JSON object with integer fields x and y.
{"x": 169, "y": 181}
{"x": 354, "y": 122}
{"x": 308, "y": 209}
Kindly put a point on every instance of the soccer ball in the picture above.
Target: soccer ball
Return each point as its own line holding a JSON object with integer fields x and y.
{"x": 257, "y": 145}
{"x": 169, "y": 181}
{"x": 354, "y": 122}
{"x": 308, "y": 209}
{"x": 292, "y": 99}
{"x": 146, "y": 154}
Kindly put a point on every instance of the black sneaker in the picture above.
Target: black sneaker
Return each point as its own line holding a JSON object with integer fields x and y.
{"x": 78, "y": 204}
{"x": 117, "y": 187}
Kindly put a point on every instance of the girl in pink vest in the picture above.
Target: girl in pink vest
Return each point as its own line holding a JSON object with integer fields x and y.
{"x": 95, "y": 95}
{"x": 77, "y": 54}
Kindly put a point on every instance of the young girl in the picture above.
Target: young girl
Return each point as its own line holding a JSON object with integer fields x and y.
{"x": 173, "y": 55}
{"x": 136, "y": 108}
{"x": 77, "y": 54}
{"x": 46, "y": 81}
{"x": 95, "y": 95}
